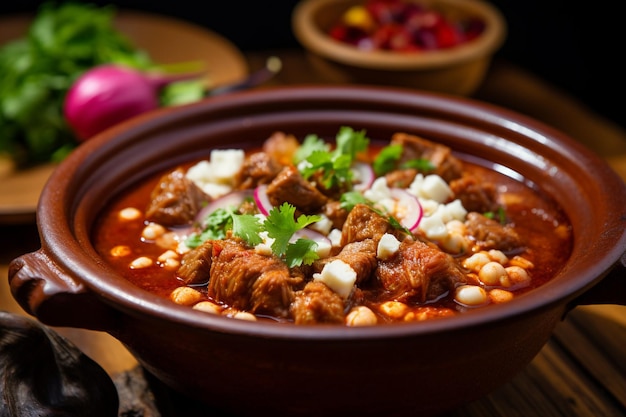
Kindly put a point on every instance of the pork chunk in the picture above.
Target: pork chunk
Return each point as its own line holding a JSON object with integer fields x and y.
{"x": 420, "y": 272}
{"x": 475, "y": 195}
{"x": 175, "y": 200}
{"x": 195, "y": 266}
{"x": 490, "y": 234}
{"x": 364, "y": 223}
{"x": 258, "y": 168}
{"x": 361, "y": 256}
{"x": 289, "y": 186}
{"x": 248, "y": 281}
{"x": 316, "y": 304}
{"x": 446, "y": 165}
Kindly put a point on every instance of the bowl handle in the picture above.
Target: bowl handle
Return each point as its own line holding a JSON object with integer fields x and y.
{"x": 611, "y": 290}
{"x": 53, "y": 297}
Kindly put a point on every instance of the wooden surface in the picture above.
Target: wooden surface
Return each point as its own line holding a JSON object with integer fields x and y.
{"x": 581, "y": 372}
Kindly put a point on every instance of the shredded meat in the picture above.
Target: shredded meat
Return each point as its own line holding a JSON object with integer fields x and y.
{"x": 175, "y": 200}
{"x": 475, "y": 195}
{"x": 361, "y": 256}
{"x": 281, "y": 147}
{"x": 248, "y": 281}
{"x": 258, "y": 168}
{"x": 317, "y": 303}
{"x": 446, "y": 165}
{"x": 364, "y": 223}
{"x": 196, "y": 264}
{"x": 419, "y": 272}
{"x": 490, "y": 234}
{"x": 289, "y": 186}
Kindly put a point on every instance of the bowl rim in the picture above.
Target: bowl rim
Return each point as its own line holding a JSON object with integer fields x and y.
{"x": 57, "y": 221}
{"x": 318, "y": 42}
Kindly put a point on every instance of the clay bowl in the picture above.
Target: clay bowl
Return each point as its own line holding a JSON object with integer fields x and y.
{"x": 459, "y": 70}
{"x": 255, "y": 368}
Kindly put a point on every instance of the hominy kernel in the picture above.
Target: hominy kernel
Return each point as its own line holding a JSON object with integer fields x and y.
{"x": 170, "y": 264}
{"x": 454, "y": 243}
{"x": 168, "y": 240}
{"x": 456, "y": 226}
{"x": 129, "y": 213}
{"x": 185, "y": 296}
{"x": 521, "y": 262}
{"x": 207, "y": 307}
{"x": 361, "y": 316}
{"x": 120, "y": 251}
{"x": 499, "y": 296}
{"x": 168, "y": 254}
{"x": 518, "y": 276}
{"x": 476, "y": 261}
{"x": 240, "y": 315}
{"x": 492, "y": 273}
{"x": 394, "y": 309}
{"x": 141, "y": 262}
{"x": 498, "y": 256}
{"x": 471, "y": 295}
{"x": 152, "y": 231}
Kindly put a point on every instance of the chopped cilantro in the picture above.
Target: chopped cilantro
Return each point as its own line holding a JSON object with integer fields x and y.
{"x": 302, "y": 251}
{"x": 312, "y": 143}
{"x": 334, "y": 166}
{"x": 421, "y": 164}
{"x": 248, "y": 227}
{"x": 350, "y": 199}
{"x": 387, "y": 159}
{"x": 281, "y": 225}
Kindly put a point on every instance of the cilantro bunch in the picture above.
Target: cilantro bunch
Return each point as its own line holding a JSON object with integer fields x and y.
{"x": 63, "y": 41}
{"x": 280, "y": 225}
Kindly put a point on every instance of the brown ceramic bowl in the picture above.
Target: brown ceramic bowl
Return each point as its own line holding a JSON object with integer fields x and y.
{"x": 256, "y": 368}
{"x": 458, "y": 70}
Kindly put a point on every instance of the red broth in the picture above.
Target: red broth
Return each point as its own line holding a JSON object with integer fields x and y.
{"x": 536, "y": 220}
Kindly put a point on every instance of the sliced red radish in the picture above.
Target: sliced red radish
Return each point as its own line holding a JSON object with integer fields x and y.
{"x": 233, "y": 199}
{"x": 324, "y": 244}
{"x": 262, "y": 200}
{"x": 408, "y": 208}
{"x": 363, "y": 175}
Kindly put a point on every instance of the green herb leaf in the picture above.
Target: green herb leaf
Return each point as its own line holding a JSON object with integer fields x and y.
{"x": 387, "y": 159}
{"x": 281, "y": 225}
{"x": 421, "y": 164}
{"x": 312, "y": 143}
{"x": 248, "y": 227}
{"x": 302, "y": 251}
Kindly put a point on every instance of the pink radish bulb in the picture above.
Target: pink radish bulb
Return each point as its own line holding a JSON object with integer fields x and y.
{"x": 109, "y": 94}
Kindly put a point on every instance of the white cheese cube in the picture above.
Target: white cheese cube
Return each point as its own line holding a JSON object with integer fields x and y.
{"x": 378, "y": 191}
{"x": 338, "y": 276}
{"x": 388, "y": 245}
{"x": 226, "y": 163}
{"x": 323, "y": 226}
{"x": 335, "y": 237}
{"x": 433, "y": 227}
{"x": 435, "y": 188}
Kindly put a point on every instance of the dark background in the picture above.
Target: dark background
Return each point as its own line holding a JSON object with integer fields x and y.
{"x": 573, "y": 45}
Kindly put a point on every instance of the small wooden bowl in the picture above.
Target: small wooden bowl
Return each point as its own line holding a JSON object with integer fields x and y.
{"x": 458, "y": 70}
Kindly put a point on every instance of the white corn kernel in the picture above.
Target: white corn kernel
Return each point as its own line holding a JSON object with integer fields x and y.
{"x": 499, "y": 296}
{"x": 152, "y": 231}
{"x": 170, "y": 264}
{"x": 394, "y": 309}
{"x": 361, "y": 316}
{"x": 240, "y": 315}
{"x": 498, "y": 256}
{"x": 120, "y": 251}
{"x": 129, "y": 213}
{"x": 521, "y": 262}
{"x": 185, "y": 296}
{"x": 141, "y": 262}
{"x": 207, "y": 307}
{"x": 476, "y": 261}
{"x": 471, "y": 295}
{"x": 518, "y": 276}
{"x": 492, "y": 273}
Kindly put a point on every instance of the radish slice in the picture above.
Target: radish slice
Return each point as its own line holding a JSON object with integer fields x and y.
{"x": 324, "y": 244}
{"x": 233, "y": 199}
{"x": 261, "y": 199}
{"x": 363, "y": 175}
{"x": 409, "y": 210}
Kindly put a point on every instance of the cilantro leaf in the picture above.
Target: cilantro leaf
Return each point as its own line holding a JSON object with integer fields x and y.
{"x": 281, "y": 225}
{"x": 387, "y": 159}
{"x": 302, "y": 251}
{"x": 421, "y": 164}
{"x": 248, "y": 227}
{"x": 351, "y": 198}
{"x": 312, "y": 143}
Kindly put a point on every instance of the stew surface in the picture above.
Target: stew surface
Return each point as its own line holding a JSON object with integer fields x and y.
{"x": 348, "y": 232}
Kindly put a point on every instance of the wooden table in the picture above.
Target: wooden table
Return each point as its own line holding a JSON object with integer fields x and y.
{"x": 581, "y": 372}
